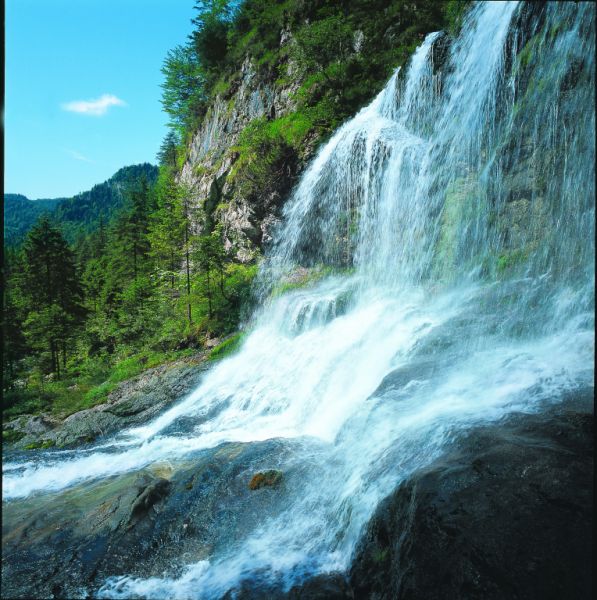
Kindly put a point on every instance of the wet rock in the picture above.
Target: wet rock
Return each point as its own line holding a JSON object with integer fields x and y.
{"x": 505, "y": 515}
{"x": 332, "y": 586}
{"x": 136, "y": 523}
{"x": 150, "y": 495}
{"x": 35, "y": 425}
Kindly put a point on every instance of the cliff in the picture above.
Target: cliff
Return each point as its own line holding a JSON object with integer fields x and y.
{"x": 283, "y": 96}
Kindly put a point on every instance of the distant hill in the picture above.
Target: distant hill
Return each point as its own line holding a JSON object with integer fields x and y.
{"x": 77, "y": 215}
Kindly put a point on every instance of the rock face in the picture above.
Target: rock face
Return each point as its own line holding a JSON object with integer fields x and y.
{"x": 211, "y": 156}
{"x": 133, "y": 402}
{"x": 505, "y": 514}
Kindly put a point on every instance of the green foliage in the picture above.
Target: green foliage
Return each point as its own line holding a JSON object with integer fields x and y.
{"x": 49, "y": 293}
{"x": 380, "y": 555}
{"x": 303, "y": 278}
{"x": 183, "y": 93}
{"x": 340, "y": 53}
{"x": 98, "y": 394}
{"x": 20, "y": 214}
{"x": 146, "y": 289}
{"x": 168, "y": 150}
{"x": 10, "y": 436}
{"x": 454, "y": 11}
{"x": 39, "y": 444}
{"x": 210, "y": 36}
{"x": 323, "y": 43}
{"x": 227, "y": 347}
{"x": 222, "y": 288}
{"x": 267, "y": 151}
{"x": 510, "y": 260}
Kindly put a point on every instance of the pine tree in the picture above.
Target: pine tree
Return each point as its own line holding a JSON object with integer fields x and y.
{"x": 13, "y": 316}
{"x": 166, "y": 229}
{"x": 51, "y": 293}
{"x": 167, "y": 153}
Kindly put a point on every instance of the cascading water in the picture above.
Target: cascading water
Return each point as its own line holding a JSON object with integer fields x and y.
{"x": 447, "y": 232}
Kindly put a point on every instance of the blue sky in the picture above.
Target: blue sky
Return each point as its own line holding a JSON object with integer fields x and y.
{"x": 82, "y": 95}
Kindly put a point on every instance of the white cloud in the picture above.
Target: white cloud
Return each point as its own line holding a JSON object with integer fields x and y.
{"x": 78, "y": 156}
{"x": 95, "y": 108}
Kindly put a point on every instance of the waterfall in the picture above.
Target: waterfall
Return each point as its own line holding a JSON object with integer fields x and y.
{"x": 444, "y": 240}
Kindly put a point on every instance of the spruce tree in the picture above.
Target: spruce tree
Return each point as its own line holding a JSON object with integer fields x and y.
{"x": 51, "y": 292}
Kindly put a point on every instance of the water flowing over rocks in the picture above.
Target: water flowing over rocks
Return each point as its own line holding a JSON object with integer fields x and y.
{"x": 505, "y": 513}
{"x": 138, "y": 523}
{"x": 420, "y": 370}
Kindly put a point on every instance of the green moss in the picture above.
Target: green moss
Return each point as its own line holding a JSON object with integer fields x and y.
{"x": 454, "y": 11}
{"x": 528, "y": 51}
{"x": 220, "y": 88}
{"x": 300, "y": 279}
{"x": 40, "y": 445}
{"x": 509, "y": 260}
{"x": 461, "y": 199}
{"x": 268, "y": 58}
{"x": 227, "y": 347}
{"x": 199, "y": 170}
{"x": 10, "y": 436}
{"x": 380, "y": 555}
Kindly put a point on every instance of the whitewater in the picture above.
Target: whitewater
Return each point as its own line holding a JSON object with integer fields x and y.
{"x": 433, "y": 306}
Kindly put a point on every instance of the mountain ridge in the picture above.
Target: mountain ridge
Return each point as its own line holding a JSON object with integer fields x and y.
{"x": 77, "y": 214}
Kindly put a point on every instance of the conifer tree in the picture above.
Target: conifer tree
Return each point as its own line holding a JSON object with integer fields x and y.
{"x": 51, "y": 292}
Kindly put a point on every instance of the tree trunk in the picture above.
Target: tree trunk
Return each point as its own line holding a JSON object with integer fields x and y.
{"x": 209, "y": 295}
{"x": 186, "y": 235}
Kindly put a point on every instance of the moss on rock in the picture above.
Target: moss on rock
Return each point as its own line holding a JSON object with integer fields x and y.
{"x": 268, "y": 478}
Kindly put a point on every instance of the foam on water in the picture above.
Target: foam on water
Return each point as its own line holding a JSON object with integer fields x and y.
{"x": 436, "y": 316}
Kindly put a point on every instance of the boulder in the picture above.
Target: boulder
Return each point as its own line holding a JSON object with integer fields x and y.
{"x": 505, "y": 514}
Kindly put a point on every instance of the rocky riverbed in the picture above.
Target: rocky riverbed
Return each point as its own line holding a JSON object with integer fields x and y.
{"x": 506, "y": 513}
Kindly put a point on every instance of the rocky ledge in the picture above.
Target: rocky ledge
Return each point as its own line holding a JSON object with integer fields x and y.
{"x": 133, "y": 402}
{"x": 506, "y": 513}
